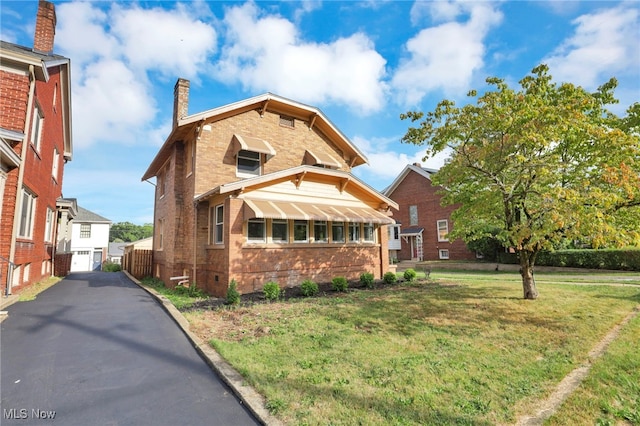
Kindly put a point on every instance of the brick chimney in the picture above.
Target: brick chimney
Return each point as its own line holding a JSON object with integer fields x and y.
{"x": 45, "y": 28}
{"x": 417, "y": 165}
{"x": 180, "y": 100}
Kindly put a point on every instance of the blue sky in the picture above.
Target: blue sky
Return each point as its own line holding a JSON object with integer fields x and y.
{"x": 361, "y": 63}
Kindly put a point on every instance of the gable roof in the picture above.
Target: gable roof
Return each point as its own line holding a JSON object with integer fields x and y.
{"x": 422, "y": 171}
{"x": 21, "y": 57}
{"x": 313, "y": 116}
{"x": 85, "y": 215}
{"x": 300, "y": 172}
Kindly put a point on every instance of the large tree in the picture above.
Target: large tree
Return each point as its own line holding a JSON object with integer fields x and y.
{"x": 128, "y": 232}
{"x": 540, "y": 164}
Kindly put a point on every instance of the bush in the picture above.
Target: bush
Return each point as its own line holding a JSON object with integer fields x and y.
{"x": 111, "y": 267}
{"x": 233, "y": 295}
{"x": 410, "y": 275}
{"x": 271, "y": 290}
{"x": 367, "y": 279}
{"x": 309, "y": 288}
{"x": 618, "y": 259}
{"x": 390, "y": 277}
{"x": 339, "y": 284}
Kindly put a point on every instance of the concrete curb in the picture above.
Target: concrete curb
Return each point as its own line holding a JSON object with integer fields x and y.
{"x": 247, "y": 395}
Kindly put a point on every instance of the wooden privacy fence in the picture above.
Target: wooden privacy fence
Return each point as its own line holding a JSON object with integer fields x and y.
{"x": 138, "y": 263}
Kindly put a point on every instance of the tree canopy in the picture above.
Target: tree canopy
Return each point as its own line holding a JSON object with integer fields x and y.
{"x": 125, "y": 232}
{"x": 540, "y": 164}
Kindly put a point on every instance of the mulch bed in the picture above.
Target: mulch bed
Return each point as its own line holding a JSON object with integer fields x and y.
{"x": 324, "y": 290}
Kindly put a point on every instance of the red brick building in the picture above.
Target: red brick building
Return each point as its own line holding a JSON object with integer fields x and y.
{"x": 422, "y": 222}
{"x": 260, "y": 190}
{"x": 35, "y": 143}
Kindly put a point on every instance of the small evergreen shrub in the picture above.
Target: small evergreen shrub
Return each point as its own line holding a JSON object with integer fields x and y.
{"x": 309, "y": 288}
{"x": 366, "y": 279}
{"x": 111, "y": 267}
{"x": 390, "y": 277}
{"x": 339, "y": 284}
{"x": 271, "y": 290}
{"x": 233, "y": 295}
{"x": 410, "y": 275}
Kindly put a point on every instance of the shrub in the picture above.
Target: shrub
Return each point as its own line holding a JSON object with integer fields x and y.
{"x": 309, "y": 288}
{"x": 366, "y": 278}
{"x": 111, "y": 267}
{"x": 410, "y": 275}
{"x": 339, "y": 284}
{"x": 233, "y": 295}
{"x": 390, "y": 277}
{"x": 271, "y": 290}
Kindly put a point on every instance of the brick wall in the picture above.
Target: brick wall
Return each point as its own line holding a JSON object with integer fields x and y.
{"x": 417, "y": 190}
{"x": 14, "y": 95}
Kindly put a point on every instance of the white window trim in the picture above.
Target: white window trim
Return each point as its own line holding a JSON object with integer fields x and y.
{"x": 218, "y": 234}
{"x": 365, "y": 226}
{"x": 280, "y": 221}
{"x": 446, "y": 228}
{"x": 26, "y": 229}
{"x": 343, "y": 240}
{"x": 357, "y": 227}
{"x": 36, "y": 128}
{"x": 241, "y": 156}
{"x": 254, "y": 240}
{"x": 326, "y": 231}
{"x": 306, "y": 240}
{"x": 443, "y": 254}
{"x": 55, "y": 165}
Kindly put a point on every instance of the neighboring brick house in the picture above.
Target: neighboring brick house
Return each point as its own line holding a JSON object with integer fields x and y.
{"x": 261, "y": 190}
{"x": 89, "y": 241}
{"x": 423, "y": 223}
{"x": 35, "y": 143}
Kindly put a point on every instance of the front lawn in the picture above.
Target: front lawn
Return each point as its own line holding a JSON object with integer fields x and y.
{"x": 464, "y": 348}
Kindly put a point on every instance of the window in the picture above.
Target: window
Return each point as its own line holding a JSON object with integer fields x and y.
{"x": 413, "y": 215}
{"x": 279, "y": 231}
{"x": 48, "y": 230}
{"x": 85, "y": 230}
{"x": 161, "y": 183}
{"x": 256, "y": 231}
{"x": 320, "y": 231}
{"x": 248, "y": 163}
{"x": 443, "y": 230}
{"x": 354, "y": 232}
{"x": 444, "y": 254}
{"x": 189, "y": 157}
{"x": 27, "y": 212}
{"x": 287, "y": 121}
{"x": 56, "y": 162}
{"x": 300, "y": 231}
{"x": 394, "y": 232}
{"x": 36, "y": 128}
{"x": 160, "y": 231}
{"x": 368, "y": 233}
{"x": 219, "y": 225}
{"x": 26, "y": 273}
{"x": 337, "y": 232}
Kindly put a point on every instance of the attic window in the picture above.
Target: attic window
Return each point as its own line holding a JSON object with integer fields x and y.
{"x": 287, "y": 121}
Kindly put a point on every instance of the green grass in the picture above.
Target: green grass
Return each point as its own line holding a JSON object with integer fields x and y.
{"x": 465, "y": 349}
{"x": 31, "y": 292}
{"x": 181, "y": 297}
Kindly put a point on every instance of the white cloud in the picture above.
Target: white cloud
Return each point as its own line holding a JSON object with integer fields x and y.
{"x": 169, "y": 41}
{"x": 348, "y": 71}
{"x": 446, "y": 56}
{"x": 113, "y": 52}
{"x": 604, "y": 44}
{"x": 385, "y": 163}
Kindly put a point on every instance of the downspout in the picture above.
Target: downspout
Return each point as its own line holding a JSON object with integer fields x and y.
{"x": 25, "y": 145}
{"x": 195, "y": 237}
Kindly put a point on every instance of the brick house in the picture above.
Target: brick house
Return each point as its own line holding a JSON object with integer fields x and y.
{"x": 423, "y": 223}
{"x": 35, "y": 143}
{"x": 261, "y": 190}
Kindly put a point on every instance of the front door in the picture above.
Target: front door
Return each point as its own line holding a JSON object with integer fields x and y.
{"x": 97, "y": 260}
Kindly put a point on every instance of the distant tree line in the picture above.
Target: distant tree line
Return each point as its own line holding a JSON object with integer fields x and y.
{"x": 125, "y": 232}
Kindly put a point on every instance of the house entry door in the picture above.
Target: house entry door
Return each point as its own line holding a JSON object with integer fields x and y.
{"x": 97, "y": 260}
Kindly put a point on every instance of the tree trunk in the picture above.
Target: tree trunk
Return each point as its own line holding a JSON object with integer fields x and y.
{"x": 526, "y": 270}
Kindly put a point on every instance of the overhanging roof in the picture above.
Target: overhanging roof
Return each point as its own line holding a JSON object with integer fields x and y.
{"x": 313, "y": 116}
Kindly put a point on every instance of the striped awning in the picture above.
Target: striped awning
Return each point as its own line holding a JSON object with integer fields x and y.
{"x": 265, "y": 209}
{"x": 321, "y": 158}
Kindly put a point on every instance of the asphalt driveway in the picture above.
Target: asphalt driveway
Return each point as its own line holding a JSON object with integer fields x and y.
{"x": 95, "y": 349}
